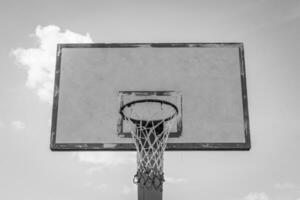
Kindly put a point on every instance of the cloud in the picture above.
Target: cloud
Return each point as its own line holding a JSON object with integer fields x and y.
{"x": 129, "y": 189}
{"x": 104, "y": 159}
{"x": 175, "y": 180}
{"x": 256, "y": 196}
{"x": 39, "y": 62}
{"x": 18, "y": 125}
{"x": 286, "y": 186}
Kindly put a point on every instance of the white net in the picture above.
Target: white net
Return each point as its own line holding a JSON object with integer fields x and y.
{"x": 151, "y": 123}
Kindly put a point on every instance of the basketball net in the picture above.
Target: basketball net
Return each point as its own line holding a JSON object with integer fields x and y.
{"x": 150, "y": 133}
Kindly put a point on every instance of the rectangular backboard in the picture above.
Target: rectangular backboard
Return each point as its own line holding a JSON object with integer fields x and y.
{"x": 206, "y": 81}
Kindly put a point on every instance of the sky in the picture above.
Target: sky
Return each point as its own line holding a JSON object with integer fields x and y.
{"x": 270, "y": 32}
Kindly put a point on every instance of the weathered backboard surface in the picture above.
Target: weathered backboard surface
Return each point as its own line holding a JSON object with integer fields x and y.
{"x": 206, "y": 81}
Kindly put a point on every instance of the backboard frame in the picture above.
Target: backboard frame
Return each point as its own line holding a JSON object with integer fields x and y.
{"x": 130, "y": 147}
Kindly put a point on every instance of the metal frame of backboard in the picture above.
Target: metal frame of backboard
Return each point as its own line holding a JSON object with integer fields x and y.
{"x": 130, "y": 147}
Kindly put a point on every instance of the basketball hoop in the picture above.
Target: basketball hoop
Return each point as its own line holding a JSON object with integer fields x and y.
{"x": 150, "y": 122}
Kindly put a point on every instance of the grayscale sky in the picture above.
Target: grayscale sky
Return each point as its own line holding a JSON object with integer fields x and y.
{"x": 270, "y": 31}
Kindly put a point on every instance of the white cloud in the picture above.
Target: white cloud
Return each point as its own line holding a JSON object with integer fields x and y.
{"x": 39, "y": 61}
{"x": 103, "y": 159}
{"x": 175, "y": 180}
{"x": 286, "y": 185}
{"x": 18, "y": 125}
{"x": 256, "y": 196}
{"x": 129, "y": 189}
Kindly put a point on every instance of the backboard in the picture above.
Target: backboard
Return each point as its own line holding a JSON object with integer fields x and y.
{"x": 206, "y": 82}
